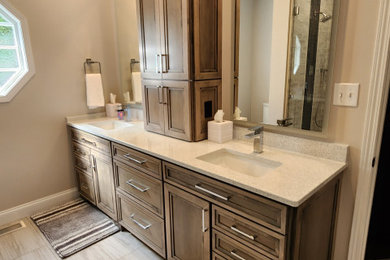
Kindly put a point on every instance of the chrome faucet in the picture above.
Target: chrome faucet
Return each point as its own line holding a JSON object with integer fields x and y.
{"x": 258, "y": 137}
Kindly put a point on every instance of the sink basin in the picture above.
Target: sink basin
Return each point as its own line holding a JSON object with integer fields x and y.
{"x": 110, "y": 124}
{"x": 249, "y": 164}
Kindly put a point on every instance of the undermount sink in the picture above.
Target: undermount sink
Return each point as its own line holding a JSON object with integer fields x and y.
{"x": 110, "y": 124}
{"x": 249, "y": 164}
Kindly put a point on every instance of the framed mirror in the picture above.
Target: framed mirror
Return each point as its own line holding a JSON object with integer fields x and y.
{"x": 283, "y": 62}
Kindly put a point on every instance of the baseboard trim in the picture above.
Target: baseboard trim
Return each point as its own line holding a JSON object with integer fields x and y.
{"x": 29, "y": 208}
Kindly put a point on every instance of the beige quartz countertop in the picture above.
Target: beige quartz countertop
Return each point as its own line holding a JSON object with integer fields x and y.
{"x": 295, "y": 180}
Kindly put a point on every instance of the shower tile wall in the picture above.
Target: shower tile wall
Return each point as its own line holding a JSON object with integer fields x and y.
{"x": 297, "y": 75}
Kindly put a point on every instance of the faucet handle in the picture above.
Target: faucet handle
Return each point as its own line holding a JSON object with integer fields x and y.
{"x": 258, "y": 129}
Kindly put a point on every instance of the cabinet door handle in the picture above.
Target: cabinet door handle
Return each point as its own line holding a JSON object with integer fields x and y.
{"x": 242, "y": 233}
{"x": 139, "y": 223}
{"x": 157, "y": 67}
{"x": 131, "y": 183}
{"x": 84, "y": 187}
{"x": 165, "y": 95}
{"x": 77, "y": 150}
{"x": 159, "y": 89}
{"x": 88, "y": 142}
{"x": 237, "y": 255}
{"x": 197, "y": 186}
{"x": 164, "y": 57}
{"x": 127, "y": 156}
{"x": 204, "y": 228}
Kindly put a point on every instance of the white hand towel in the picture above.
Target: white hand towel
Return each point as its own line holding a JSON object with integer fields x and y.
{"x": 94, "y": 89}
{"x": 137, "y": 86}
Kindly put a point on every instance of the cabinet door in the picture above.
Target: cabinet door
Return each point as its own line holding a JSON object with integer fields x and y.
{"x": 104, "y": 184}
{"x": 153, "y": 106}
{"x": 208, "y": 39}
{"x": 187, "y": 225}
{"x": 149, "y": 38}
{"x": 177, "y": 109}
{"x": 175, "y": 39}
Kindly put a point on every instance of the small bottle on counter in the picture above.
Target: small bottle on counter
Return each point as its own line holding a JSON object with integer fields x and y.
{"x": 121, "y": 114}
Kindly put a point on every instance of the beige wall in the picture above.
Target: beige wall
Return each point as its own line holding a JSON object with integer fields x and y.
{"x": 34, "y": 150}
{"x": 127, "y": 41}
{"x": 354, "y": 54}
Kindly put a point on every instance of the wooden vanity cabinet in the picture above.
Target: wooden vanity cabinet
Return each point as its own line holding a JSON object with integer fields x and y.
{"x": 187, "y": 225}
{"x": 245, "y": 225}
{"x": 93, "y": 166}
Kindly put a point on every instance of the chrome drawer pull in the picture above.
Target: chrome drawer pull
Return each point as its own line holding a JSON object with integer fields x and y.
{"x": 204, "y": 228}
{"x": 130, "y": 182}
{"x": 197, "y": 186}
{"x": 88, "y": 142}
{"x": 236, "y": 255}
{"x": 242, "y": 233}
{"x": 84, "y": 187}
{"x": 127, "y": 156}
{"x": 139, "y": 223}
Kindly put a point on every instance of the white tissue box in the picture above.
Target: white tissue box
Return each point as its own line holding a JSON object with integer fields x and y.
{"x": 220, "y": 132}
{"x": 111, "y": 109}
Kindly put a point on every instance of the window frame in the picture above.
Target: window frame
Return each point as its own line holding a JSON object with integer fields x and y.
{"x": 25, "y": 58}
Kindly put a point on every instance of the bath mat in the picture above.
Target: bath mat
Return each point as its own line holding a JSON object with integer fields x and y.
{"x": 74, "y": 226}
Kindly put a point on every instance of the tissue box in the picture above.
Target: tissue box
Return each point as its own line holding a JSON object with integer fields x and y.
{"x": 111, "y": 109}
{"x": 220, "y": 132}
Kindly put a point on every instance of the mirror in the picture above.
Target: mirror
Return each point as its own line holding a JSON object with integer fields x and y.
{"x": 283, "y": 52}
{"x": 128, "y": 52}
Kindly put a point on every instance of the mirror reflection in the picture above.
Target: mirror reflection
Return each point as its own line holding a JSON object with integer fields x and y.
{"x": 283, "y": 51}
{"x": 128, "y": 52}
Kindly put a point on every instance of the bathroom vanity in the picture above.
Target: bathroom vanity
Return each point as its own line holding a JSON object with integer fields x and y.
{"x": 185, "y": 201}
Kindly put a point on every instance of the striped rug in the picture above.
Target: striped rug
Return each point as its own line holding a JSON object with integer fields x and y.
{"x": 73, "y": 226}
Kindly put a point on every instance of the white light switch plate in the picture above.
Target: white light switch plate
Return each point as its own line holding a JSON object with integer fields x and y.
{"x": 346, "y": 94}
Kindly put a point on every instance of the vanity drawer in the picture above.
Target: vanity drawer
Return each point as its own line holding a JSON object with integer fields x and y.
{"x": 86, "y": 187}
{"x": 254, "y": 207}
{"x": 215, "y": 256}
{"x": 91, "y": 141}
{"x": 81, "y": 150}
{"x": 231, "y": 249}
{"x": 138, "y": 160}
{"x": 144, "y": 188}
{"x": 140, "y": 222}
{"x": 249, "y": 233}
{"x": 83, "y": 164}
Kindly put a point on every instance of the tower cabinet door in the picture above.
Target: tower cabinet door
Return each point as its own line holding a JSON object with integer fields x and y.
{"x": 104, "y": 184}
{"x": 149, "y": 38}
{"x": 175, "y": 39}
{"x": 187, "y": 225}
{"x": 153, "y": 106}
{"x": 177, "y": 109}
{"x": 208, "y": 39}
{"x": 208, "y": 99}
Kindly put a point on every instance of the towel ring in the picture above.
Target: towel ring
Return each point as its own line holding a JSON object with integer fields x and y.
{"x": 89, "y": 62}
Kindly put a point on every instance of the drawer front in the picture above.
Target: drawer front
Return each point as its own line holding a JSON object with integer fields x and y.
{"x": 81, "y": 150}
{"x": 83, "y": 164}
{"x": 215, "y": 256}
{"x": 138, "y": 160}
{"x": 230, "y": 248}
{"x": 86, "y": 187}
{"x": 261, "y": 210}
{"x": 261, "y": 239}
{"x": 146, "y": 226}
{"x": 91, "y": 141}
{"x": 147, "y": 190}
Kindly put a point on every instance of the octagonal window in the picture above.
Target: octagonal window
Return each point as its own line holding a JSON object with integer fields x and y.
{"x": 15, "y": 57}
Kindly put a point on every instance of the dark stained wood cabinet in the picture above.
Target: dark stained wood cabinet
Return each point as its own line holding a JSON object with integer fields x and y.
{"x": 180, "y": 39}
{"x": 167, "y": 108}
{"x": 187, "y": 225}
{"x": 181, "y": 49}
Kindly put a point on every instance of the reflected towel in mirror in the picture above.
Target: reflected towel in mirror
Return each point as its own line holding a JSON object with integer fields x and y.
{"x": 137, "y": 87}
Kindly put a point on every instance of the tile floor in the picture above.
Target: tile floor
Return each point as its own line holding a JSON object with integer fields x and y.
{"x": 29, "y": 244}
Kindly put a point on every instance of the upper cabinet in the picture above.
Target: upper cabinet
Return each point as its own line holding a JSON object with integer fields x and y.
{"x": 180, "y": 39}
